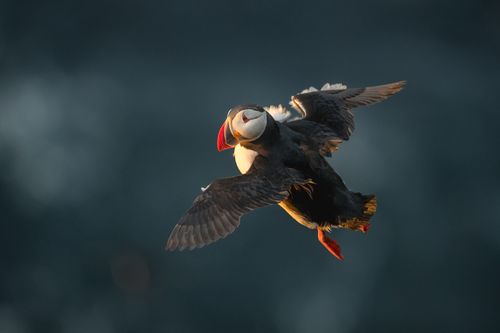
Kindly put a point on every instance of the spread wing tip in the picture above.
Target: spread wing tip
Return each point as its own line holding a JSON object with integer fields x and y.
{"x": 388, "y": 89}
{"x": 183, "y": 237}
{"x": 375, "y": 94}
{"x": 192, "y": 236}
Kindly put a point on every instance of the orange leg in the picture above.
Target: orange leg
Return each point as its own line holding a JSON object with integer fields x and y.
{"x": 330, "y": 244}
{"x": 364, "y": 228}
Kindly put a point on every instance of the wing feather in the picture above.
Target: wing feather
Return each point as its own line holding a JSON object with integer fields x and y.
{"x": 327, "y": 119}
{"x": 216, "y": 212}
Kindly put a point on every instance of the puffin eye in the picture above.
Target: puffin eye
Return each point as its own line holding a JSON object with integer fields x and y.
{"x": 245, "y": 119}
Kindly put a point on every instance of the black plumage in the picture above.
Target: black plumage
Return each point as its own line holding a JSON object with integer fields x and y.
{"x": 290, "y": 170}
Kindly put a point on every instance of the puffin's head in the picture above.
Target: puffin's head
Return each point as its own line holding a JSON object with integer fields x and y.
{"x": 244, "y": 123}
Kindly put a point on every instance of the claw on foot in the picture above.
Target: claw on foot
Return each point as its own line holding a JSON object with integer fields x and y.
{"x": 330, "y": 244}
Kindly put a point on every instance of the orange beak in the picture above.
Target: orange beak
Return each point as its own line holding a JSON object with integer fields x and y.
{"x": 221, "y": 137}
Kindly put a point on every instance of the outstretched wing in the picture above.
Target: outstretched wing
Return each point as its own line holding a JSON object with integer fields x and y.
{"x": 216, "y": 212}
{"x": 326, "y": 114}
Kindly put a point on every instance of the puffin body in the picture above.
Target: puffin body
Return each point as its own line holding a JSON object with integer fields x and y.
{"x": 282, "y": 161}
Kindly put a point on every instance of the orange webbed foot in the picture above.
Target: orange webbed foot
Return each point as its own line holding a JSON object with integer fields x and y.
{"x": 330, "y": 244}
{"x": 364, "y": 228}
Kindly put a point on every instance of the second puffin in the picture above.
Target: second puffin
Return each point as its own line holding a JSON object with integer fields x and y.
{"x": 282, "y": 161}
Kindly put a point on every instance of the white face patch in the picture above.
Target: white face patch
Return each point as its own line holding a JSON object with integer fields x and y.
{"x": 250, "y": 124}
{"x": 250, "y": 114}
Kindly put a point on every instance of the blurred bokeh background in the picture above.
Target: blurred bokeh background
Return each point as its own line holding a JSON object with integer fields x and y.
{"x": 109, "y": 112}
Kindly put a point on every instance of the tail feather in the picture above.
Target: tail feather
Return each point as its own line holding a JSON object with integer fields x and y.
{"x": 361, "y": 222}
{"x": 369, "y": 205}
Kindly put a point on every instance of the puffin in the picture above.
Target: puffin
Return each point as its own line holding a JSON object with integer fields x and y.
{"x": 282, "y": 159}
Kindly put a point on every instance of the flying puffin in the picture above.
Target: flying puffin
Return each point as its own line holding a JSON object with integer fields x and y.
{"x": 282, "y": 161}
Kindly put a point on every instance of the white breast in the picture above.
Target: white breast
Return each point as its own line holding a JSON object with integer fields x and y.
{"x": 244, "y": 158}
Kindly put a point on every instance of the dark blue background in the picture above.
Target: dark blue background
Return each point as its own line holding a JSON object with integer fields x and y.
{"x": 109, "y": 112}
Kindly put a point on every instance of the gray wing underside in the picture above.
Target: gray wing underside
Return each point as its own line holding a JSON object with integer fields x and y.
{"x": 326, "y": 114}
{"x": 216, "y": 212}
